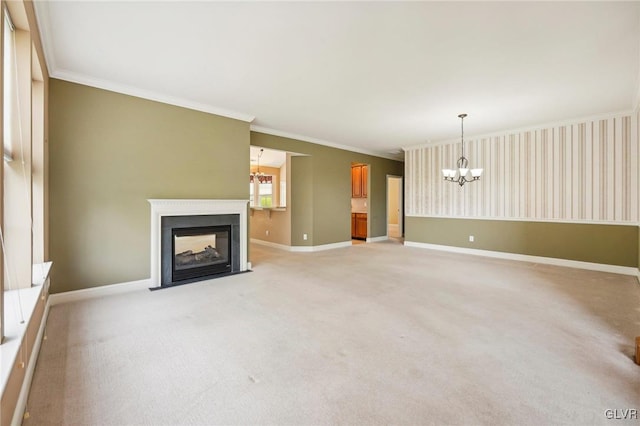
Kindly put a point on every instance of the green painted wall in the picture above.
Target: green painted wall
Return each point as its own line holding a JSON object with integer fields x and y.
{"x": 301, "y": 200}
{"x": 109, "y": 153}
{"x": 607, "y": 244}
{"x": 321, "y": 183}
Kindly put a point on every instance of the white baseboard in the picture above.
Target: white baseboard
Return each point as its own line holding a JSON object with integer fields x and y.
{"x": 623, "y": 270}
{"x": 270, "y": 244}
{"x": 377, "y": 239}
{"x": 105, "y": 290}
{"x": 321, "y": 247}
{"x": 21, "y": 405}
{"x": 302, "y": 248}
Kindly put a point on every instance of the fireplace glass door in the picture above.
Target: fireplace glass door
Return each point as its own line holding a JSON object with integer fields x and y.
{"x": 200, "y": 251}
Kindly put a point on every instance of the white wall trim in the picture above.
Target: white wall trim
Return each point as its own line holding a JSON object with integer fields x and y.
{"x": 21, "y": 405}
{"x": 377, "y": 239}
{"x": 271, "y": 244}
{"x": 638, "y": 275}
{"x": 281, "y": 133}
{"x": 615, "y": 269}
{"x": 522, "y": 219}
{"x": 321, "y": 247}
{"x": 100, "y": 291}
{"x": 148, "y": 94}
{"x": 302, "y": 249}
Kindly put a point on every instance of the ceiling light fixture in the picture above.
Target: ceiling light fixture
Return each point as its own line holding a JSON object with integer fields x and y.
{"x": 462, "y": 165}
{"x": 258, "y": 174}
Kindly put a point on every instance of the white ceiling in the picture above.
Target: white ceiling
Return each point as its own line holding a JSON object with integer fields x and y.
{"x": 269, "y": 157}
{"x": 375, "y": 76}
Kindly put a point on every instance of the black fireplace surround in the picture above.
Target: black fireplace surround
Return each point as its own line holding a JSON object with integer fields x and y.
{"x": 215, "y": 250}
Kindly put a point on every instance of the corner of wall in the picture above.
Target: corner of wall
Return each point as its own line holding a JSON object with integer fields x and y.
{"x": 543, "y": 183}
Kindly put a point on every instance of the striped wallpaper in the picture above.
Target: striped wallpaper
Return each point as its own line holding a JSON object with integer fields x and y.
{"x": 586, "y": 172}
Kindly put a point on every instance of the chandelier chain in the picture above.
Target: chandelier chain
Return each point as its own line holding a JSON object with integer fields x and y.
{"x": 462, "y": 133}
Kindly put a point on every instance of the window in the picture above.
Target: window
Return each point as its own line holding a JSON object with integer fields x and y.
{"x": 23, "y": 181}
{"x": 265, "y": 192}
{"x": 261, "y": 191}
{"x": 17, "y": 174}
{"x": 9, "y": 100}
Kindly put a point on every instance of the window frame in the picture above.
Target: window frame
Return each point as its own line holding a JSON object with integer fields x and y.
{"x": 255, "y": 196}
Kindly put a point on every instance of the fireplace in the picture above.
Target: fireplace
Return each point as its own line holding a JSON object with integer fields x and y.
{"x": 200, "y": 251}
{"x": 193, "y": 240}
{"x": 198, "y": 247}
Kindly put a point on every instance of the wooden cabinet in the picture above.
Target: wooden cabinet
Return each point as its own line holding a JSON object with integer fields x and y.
{"x": 356, "y": 181}
{"x": 365, "y": 171}
{"x": 359, "y": 226}
{"x": 353, "y": 225}
{"x": 359, "y": 181}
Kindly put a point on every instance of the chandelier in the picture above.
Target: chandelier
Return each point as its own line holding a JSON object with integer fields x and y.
{"x": 459, "y": 175}
{"x": 260, "y": 176}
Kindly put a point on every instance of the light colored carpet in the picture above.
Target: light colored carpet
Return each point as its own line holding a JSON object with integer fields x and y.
{"x": 369, "y": 334}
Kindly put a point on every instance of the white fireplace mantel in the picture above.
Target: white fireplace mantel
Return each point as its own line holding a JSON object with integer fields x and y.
{"x": 179, "y": 207}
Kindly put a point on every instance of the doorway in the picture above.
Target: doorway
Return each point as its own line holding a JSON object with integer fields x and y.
{"x": 359, "y": 203}
{"x": 395, "y": 213}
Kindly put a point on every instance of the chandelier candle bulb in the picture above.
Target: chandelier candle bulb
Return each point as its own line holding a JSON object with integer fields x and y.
{"x": 476, "y": 173}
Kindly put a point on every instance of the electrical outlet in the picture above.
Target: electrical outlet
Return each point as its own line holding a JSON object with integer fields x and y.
{"x": 267, "y": 231}
{"x": 471, "y": 238}
{"x": 304, "y": 237}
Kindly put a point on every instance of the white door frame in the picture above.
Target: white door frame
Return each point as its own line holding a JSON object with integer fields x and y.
{"x": 400, "y": 204}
